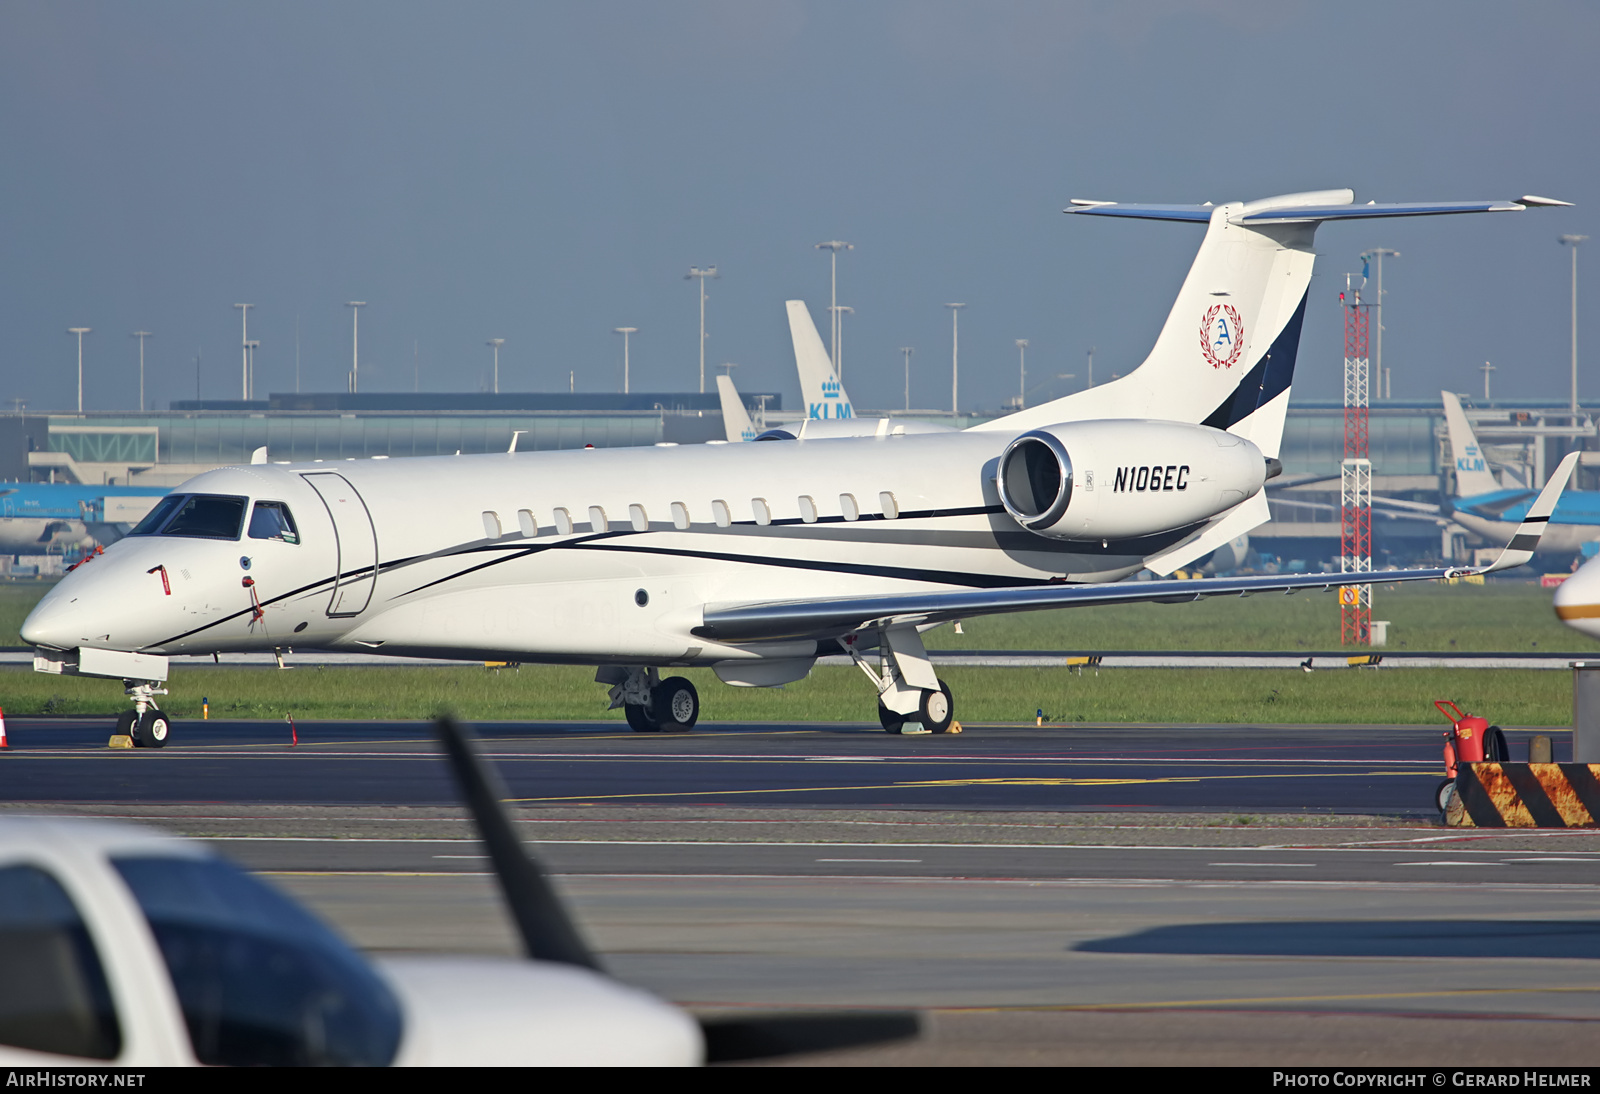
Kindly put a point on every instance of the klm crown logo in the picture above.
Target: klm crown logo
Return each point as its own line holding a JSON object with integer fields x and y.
{"x": 830, "y": 389}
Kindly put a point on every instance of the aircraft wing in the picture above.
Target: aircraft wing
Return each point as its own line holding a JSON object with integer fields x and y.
{"x": 834, "y": 618}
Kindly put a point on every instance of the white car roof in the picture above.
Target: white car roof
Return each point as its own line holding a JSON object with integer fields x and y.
{"x": 33, "y": 839}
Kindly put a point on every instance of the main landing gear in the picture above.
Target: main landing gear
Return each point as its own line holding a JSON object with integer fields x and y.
{"x": 911, "y": 699}
{"x": 148, "y": 726}
{"x": 649, "y": 702}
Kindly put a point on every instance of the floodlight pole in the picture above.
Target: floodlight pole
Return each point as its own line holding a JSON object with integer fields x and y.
{"x": 355, "y": 307}
{"x": 626, "y": 332}
{"x": 955, "y": 355}
{"x": 695, "y": 272}
{"x": 1573, "y": 241}
{"x": 141, "y": 335}
{"x": 839, "y": 311}
{"x": 496, "y": 343}
{"x": 1385, "y": 385}
{"x": 907, "y": 350}
{"x": 244, "y": 349}
{"x": 80, "y": 332}
{"x": 834, "y": 246}
{"x": 1022, "y": 372}
{"x": 250, "y": 367}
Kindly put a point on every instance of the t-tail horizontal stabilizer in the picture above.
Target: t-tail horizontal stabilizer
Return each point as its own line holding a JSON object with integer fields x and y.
{"x": 1526, "y": 540}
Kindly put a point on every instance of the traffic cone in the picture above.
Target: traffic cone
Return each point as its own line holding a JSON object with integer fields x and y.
{"x": 3, "y": 742}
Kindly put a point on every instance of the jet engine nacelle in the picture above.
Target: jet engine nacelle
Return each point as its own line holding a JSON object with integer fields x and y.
{"x": 1113, "y": 479}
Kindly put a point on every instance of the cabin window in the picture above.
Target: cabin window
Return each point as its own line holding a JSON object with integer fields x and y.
{"x": 808, "y": 509}
{"x": 259, "y": 980}
{"x": 848, "y": 506}
{"x": 54, "y": 996}
{"x": 271, "y": 520}
{"x": 563, "y": 522}
{"x": 890, "y": 507}
{"x": 204, "y": 516}
{"x": 720, "y": 513}
{"x": 525, "y": 521}
{"x": 638, "y": 518}
{"x": 680, "y": 516}
{"x": 763, "y": 512}
{"x": 597, "y": 519}
{"x": 491, "y": 525}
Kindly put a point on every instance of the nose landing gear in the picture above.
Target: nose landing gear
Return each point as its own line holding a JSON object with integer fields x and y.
{"x": 148, "y": 726}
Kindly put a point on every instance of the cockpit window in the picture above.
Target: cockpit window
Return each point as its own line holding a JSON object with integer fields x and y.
{"x": 260, "y": 981}
{"x": 271, "y": 520}
{"x": 158, "y": 516}
{"x": 204, "y": 516}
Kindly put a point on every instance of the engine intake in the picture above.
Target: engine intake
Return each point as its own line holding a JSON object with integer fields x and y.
{"x": 1036, "y": 479}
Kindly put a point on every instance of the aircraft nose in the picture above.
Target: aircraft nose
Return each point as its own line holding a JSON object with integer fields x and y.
{"x": 1577, "y": 600}
{"x": 56, "y": 621}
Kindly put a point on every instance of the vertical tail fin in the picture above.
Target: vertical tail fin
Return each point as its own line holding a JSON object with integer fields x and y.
{"x": 1226, "y": 355}
{"x": 1473, "y": 476}
{"x": 824, "y": 396}
{"x": 735, "y": 418}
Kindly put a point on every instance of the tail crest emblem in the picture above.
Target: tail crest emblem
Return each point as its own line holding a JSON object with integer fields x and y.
{"x": 1222, "y": 336}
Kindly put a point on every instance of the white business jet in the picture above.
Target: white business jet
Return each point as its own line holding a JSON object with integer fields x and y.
{"x": 751, "y": 559}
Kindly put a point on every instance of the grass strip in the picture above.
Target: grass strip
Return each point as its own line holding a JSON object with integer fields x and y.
{"x": 1521, "y": 697}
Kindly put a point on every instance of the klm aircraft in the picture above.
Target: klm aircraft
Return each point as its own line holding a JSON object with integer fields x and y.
{"x": 1493, "y": 511}
{"x": 36, "y": 517}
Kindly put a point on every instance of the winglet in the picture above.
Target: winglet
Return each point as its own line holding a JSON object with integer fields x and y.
{"x": 1526, "y": 540}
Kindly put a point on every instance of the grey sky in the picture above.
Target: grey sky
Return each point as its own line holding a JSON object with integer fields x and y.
{"x": 546, "y": 172}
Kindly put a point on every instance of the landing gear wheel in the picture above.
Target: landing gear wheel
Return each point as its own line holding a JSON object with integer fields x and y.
{"x": 125, "y": 727}
{"x": 639, "y": 719}
{"x": 154, "y": 727}
{"x": 889, "y": 720}
{"x": 1442, "y": 796}
{"x": 937, "y": 710}
{"x": 1495, "y": 749}
{"x": 676, "y": 704}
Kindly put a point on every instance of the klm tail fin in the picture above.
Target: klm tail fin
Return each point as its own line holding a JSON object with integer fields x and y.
{"x": 820, "y": 390}
{"x": 735, "y": 418}
{"x": 1473, "y": 476}
{"x": 1226, "y": 355}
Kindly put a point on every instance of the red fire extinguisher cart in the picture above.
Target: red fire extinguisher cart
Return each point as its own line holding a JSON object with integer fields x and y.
{"x": 1470, "y": 740}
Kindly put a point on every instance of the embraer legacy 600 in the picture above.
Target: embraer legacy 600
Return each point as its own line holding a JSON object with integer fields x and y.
{"x": 750, "y": 559}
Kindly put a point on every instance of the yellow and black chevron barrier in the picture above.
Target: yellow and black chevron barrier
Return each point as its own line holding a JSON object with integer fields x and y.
{"x": 1526, "y": 796}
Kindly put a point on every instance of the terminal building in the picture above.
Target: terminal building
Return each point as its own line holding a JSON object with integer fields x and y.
{"x": 1410, "y": 454}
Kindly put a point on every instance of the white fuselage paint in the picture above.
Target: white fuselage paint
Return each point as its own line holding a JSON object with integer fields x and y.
{"x": 457, "y": 575}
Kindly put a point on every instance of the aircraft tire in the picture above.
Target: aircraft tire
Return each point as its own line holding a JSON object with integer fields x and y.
{"x": 1442, "y": 796}
{"x": 676, "y": 704}
{"x": 889, "y": 720}
{"x": 154, "y": 729}
{"x": 937, "y": 710}
{"x": 639, "y": 719}
{"x": 128, "y": 726}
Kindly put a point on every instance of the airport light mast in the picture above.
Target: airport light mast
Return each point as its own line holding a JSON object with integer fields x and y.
{"x": 1385, "y": 382}
{"x": 1022, "y": 372}
{"x": 244, "y": 349}
{"x": 355, "y": 307}
{"x": 80, "y": 332}
{"x": 626, "y": 332}
{"x": 496, "y": 343}
{"x": 908, "y": 350}
{"x": 696, "y": 273}
{"x": 834, "y": 246}
{"x": 839, "y": 312}
{"x": 141, "y": 335}
{"x": 1573, "y": 241}
{"x": 250, "y": 367}
{"x": 955, "y": 355}
{"x": 1355, "y": 473}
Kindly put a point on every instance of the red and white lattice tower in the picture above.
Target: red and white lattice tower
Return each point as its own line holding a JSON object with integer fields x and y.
{"x": 1355, "y": 478}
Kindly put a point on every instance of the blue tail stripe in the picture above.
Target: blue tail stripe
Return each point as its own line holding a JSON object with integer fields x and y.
{"x": 1270, "y": 378}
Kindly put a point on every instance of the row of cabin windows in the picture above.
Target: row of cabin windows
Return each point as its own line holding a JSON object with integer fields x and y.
{"x": 721, "y": 515}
